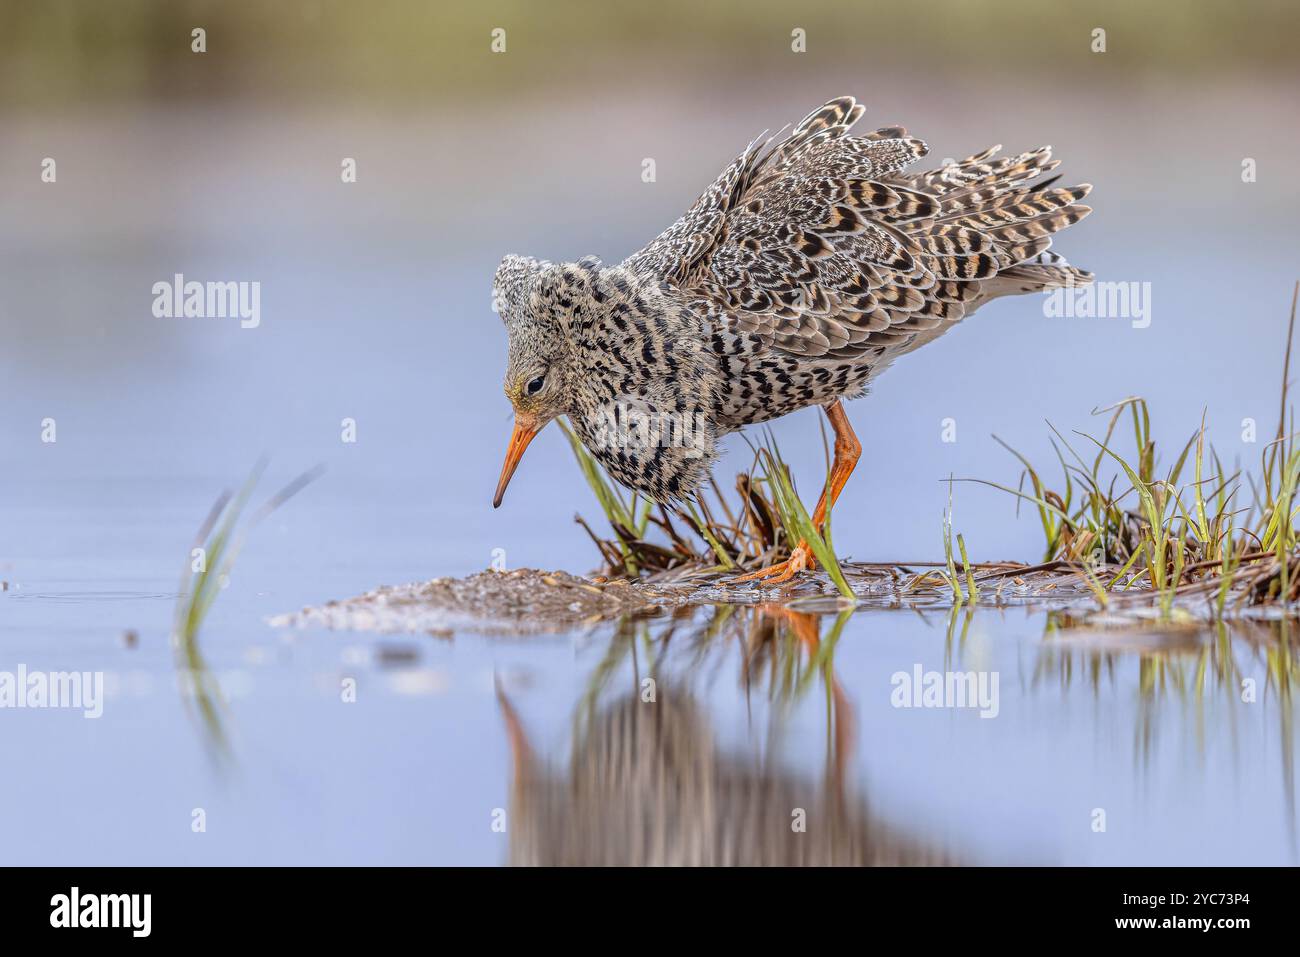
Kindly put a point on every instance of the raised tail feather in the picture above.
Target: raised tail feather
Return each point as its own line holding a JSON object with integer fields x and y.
{"x": 831, "y": 245}
{"x": 992, "y": 201}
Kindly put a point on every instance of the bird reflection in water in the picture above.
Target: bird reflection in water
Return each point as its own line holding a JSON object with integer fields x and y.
{"x": 648, "y": 783}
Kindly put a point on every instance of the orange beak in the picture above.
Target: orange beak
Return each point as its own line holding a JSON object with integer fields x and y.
{"x": 526, "y": 429}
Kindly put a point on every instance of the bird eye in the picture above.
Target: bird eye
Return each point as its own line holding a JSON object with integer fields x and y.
{"x": 535, "y": 386}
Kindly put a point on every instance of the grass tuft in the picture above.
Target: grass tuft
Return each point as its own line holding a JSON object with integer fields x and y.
{"x": 1157, "y": 538}
{"x": 207, "y": 571}
{"x": 795, "y": 520}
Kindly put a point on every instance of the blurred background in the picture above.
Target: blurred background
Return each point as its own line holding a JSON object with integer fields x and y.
{"x": 375, "y": 301}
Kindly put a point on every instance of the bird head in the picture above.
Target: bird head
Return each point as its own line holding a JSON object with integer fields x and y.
{"x": 539, "y": 303}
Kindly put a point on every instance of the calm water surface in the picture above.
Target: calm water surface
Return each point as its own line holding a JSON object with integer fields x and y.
{"x": 760, "y": 718}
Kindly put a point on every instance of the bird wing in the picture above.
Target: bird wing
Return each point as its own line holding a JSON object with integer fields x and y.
{"x": 826, "y": 245}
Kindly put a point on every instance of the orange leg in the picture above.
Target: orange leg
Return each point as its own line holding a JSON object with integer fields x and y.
{"x": 847, "y": 452}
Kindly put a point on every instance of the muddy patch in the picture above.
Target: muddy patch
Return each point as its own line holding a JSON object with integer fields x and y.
{"x": 526, "y": 601}
{"x": 529, "y": 601}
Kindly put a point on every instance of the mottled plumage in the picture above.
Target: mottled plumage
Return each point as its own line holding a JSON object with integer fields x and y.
{"x": 799, "y": 275}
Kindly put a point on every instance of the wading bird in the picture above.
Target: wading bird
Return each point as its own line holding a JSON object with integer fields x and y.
{"x": 801, "y": 274}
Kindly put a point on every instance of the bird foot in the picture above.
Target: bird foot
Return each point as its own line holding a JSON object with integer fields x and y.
{"x": 801, "y": 559}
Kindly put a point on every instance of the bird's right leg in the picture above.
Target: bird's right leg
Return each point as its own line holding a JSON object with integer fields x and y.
{"x": 847, "y": 452}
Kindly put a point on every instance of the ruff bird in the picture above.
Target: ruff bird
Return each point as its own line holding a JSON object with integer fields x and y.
{"x": 801, "y": 273}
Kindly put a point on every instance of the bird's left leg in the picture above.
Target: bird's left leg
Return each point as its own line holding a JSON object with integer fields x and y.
{"x": 847, "y": 452}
